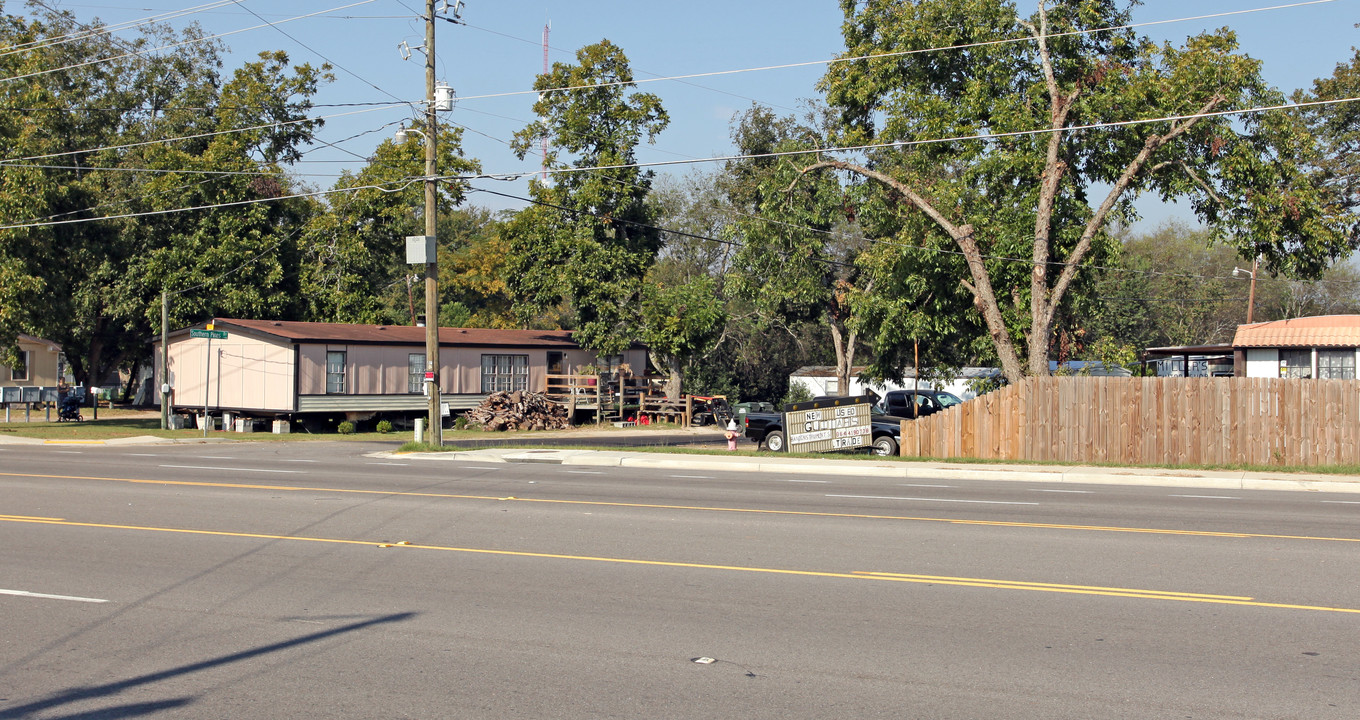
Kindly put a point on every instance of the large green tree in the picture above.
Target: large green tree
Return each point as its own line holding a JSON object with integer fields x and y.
{"x": 798, "y": 254}
{"x": 1337, "y": 127}
{"x": 353, "y": 256}
{"x": 1020, "y": 136}
{"x": 590, "y": 236}
{"x": 126, "y": 173}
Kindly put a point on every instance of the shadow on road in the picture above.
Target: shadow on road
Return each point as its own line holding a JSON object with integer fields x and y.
{"x": 80, "y": 694}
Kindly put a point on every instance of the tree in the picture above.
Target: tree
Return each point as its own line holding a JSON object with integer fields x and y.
{"x": 680, "y": 323}
{"x": 1000, "y": 130}
{"x": 1337, "y": 127}
{"x": 472, "y": 274}
{"x": 1170, "y": 286}
{"x": 99, "y": 227}
{"x": 354, "y": 255}
{"x": 589, "y": 238}
{"x": 797, "y": 258}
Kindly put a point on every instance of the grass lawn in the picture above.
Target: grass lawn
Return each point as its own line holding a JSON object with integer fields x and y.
{"x": 119, "y": 423}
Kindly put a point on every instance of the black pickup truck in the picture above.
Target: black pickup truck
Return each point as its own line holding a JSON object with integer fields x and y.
{"x": 767, "y": 429}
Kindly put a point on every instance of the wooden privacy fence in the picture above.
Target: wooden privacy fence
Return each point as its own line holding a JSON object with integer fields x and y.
{"x": 1150, "y": 421}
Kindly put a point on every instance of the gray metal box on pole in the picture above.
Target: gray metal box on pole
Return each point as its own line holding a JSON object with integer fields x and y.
{"x": 420, "y": 249}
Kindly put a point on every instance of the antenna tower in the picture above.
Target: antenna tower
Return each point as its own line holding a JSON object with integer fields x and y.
{"x": 544, "y": 140}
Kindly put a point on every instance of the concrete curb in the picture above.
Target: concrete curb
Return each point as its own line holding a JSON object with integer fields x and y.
{"x": 1206, "y": 479}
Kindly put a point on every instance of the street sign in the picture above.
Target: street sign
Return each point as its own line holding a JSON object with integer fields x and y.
{"x": 210, "y": 334}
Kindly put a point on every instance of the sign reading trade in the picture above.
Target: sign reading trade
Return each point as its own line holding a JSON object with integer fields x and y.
{"x": 829, "y": 425}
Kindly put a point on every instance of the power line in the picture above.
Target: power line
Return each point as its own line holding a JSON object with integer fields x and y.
{"x": 901, "y": 53}
{"x": 96, "y": 31}
{"x": 933, "y": 141}
{"x": 172, "y": 46}
{"x": 198, "y": 136}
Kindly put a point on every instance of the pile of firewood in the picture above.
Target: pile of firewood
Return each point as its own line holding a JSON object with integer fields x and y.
{"x": 518, "y": 410}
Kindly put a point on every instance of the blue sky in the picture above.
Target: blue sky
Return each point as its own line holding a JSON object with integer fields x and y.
{"x": 499, "y": 51}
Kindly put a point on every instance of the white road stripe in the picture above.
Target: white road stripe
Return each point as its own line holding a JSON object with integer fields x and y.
{"x": 1208, "y": 497}
{"x": 300, "y": 461}
{"x": 1078, "y": 492}
{"x": 397, "y": 464}
{"x": 923, "y": 485}
{"x": 478, "y": 467}
{"x": 585, "y": 472}
{"x": 918, "y": 499}
{"x": 693, "y": 477}
{"x": 1341, "y": 502}
{"x": 139, "y": 455}
{"x": 232, "y": 469}
{"x": 69, "y": 452}
{"x": 25, "y": 593}
{"x": 215, "y": 457}
{"x": 820, "y": 482}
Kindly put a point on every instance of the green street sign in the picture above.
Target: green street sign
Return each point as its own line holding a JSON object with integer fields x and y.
{"x": 210, "y": 334}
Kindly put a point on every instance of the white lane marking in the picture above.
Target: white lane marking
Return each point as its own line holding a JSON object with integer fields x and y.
{"x": 397, "y": 464}
{"x": 1208, "y": 497}
{"x": 215, "y": 457}
{"x": 820, "y": 482}
{"x": 478, "y": 467}
{"x": 1341, "y": 502}
{"x": 25, "y": 593}
{"x": 693, "y": 477}
{"x": 923, "y": 485}
{"x": 585, "y": 472}
{"x": 1078, "y": 492}
{"x": 232, "y": 469}
{"x": 139, "y": 455}
{"x": 69, "y": 452}
{"x": 299, "y": 461}
{"x": 918, "y": 499}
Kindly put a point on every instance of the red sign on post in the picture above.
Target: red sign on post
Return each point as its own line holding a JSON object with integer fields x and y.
{"x": 429, "y": 376}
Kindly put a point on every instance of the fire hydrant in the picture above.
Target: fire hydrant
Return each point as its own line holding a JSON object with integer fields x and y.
{"x": 731, "y": 434}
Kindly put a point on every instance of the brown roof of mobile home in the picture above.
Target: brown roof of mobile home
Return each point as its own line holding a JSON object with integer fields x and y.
{"x": 305, "y": 332}
{"x": 1319, "y": 331}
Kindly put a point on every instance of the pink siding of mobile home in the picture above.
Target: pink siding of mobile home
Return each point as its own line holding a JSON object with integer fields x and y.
{"x": 243, "y": 372}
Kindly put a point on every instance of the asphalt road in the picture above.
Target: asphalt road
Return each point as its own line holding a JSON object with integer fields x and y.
{"x": 311, "y": 581}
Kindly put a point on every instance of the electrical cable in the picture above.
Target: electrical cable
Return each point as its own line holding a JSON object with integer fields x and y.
{"x": 902, "y": 53}
{"x": 96, "y": 31}
{"x": 198, "y": 136}
{"x": 172, "y": 46}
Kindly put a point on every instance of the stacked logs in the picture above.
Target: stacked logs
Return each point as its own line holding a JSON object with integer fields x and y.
{"x": 518, "y": 410}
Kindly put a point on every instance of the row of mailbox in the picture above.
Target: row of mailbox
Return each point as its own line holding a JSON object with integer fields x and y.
{"x": 29, "y": 394}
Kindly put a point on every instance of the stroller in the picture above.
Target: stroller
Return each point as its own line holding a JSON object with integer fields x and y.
{"x": 68, "y": 408}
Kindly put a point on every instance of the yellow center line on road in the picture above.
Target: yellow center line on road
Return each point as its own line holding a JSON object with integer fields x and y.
{"x": 857, "y": 575}
{"x": 698, "y": 508}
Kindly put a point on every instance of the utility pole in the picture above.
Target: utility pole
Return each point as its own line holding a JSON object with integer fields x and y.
{"x": 165, "y": 360}
{"x": 1251, "y": 294}
{"x": 434, "y": 434}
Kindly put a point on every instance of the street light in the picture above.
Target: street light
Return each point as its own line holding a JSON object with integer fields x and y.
{"x": 1251, "y": 294}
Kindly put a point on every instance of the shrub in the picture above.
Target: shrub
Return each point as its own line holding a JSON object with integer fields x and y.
{"x": 345, "y": 428}
{"x": 384, "y": 426}
{"x": 460, "y": 422}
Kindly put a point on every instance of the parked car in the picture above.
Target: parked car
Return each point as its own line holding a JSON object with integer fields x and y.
{"x": 918, "y": 403}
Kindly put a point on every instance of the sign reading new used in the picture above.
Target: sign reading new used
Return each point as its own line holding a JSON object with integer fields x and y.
{"x": 827, "y": 425}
